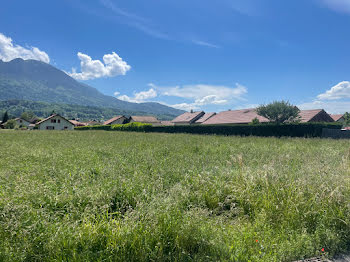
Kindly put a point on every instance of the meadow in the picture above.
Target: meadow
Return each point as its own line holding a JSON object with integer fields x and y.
{"x": 116, "y": 196}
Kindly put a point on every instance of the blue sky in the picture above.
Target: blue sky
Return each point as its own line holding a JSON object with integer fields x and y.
{"x": 191, "y": 54}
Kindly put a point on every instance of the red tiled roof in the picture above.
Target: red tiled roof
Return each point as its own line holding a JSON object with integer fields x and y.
{"x": 112, "y": 120}
{"x": 52, "y": 117}
{"x": 77, "y": 123}
{"x": 188, "y": 117}
{"x": 243, "y": 116}
{"x": 205, "y": 117}
{"x": 336, "y": 117}
{"x": 166, "y": 123}
{"x": 309, "y": 115}
{"x": 145, "y": 119}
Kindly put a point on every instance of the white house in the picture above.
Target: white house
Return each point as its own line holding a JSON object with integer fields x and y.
{"x": 55, "y": 122}
{"x": 22, "y": 122}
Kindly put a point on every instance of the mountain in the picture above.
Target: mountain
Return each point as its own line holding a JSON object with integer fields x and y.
{"x": 37, "y": 81}
{"x": 43, "y": 109}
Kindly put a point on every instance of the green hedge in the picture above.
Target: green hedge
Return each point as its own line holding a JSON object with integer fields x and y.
{"x": 135, "y": 126}
{"x": 96, "y": 127}
{"x": 288, "y": 130}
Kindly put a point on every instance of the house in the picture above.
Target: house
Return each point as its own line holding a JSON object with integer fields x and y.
{"x": 243, "y": 116}
{"x": 77, "y": 123}
{"x": 314, "y": 115}
{"x": 338, "y": 118}
{"x": 93, "y": 123}
{"x": 22, "y": 122}
{"x": 188, "y": 118}
{"x": 145, "y": 119}
{"x": 116, "y": 120}
{"x": 166, "y": 123}
{"x": 204, "y": 118}
{"x": 55, "y": 122}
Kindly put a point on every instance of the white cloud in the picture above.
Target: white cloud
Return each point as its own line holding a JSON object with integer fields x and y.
{"x": 116, "y": 93}
{"x": 339, "y": 91}
{"x": 333, "y": 107}
{"x": 342, "y": 6}
{"x": 90, "y": 69}
{"x": 186, "y": 106}
{"x": 211, "y": 93}
{"x": 200, "y": 95}
{"x": 9, "y": 51}
{"x": 335, "y": 100}
{"x": 203, "y": 43}
{"x": 139, "y": 97}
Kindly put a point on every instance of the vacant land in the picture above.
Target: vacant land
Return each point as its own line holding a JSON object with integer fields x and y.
{"x": 112, "y": 196}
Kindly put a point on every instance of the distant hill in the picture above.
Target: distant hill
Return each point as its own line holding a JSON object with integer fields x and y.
{"x": 43, "y": 109}
{"x": 33, "y": 80}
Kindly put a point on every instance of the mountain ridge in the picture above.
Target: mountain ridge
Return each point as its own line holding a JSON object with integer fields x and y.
{"x": 34, "y": 80}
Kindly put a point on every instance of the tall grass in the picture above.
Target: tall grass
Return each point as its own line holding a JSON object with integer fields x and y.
{"x": 114, "y": 196}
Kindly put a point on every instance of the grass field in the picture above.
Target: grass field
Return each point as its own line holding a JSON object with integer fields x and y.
{"x": 113, "y": 196}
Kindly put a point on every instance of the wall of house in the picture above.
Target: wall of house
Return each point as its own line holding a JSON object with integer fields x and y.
{"x": 322, "y": 117}
{"x": 57, "y": 126}
{"x": 23, "y": 123}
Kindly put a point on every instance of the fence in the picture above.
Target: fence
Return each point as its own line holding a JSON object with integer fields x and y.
{"x": 335, "y": 133}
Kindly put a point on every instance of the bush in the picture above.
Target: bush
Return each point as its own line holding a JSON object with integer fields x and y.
{"x": 135, "y": 126}
{"x": 265, "y": 130}
{"x": 10, "y": 124}
{"x": 95, "y": 127}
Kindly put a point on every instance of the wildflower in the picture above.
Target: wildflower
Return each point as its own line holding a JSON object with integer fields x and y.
{"x": 322, "y": 249}
{"x": 256, "y": 241}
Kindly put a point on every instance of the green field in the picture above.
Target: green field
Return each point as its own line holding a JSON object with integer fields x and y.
{"x": 114, "y": 196}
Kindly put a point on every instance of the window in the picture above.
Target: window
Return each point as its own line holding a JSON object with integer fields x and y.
{"x": 66, "y": 127}
{"x": 50, "y": 127}
{"x": 53, "y": 120}
{"x": 20, "y": 121}
{"x": 59, "y": 121}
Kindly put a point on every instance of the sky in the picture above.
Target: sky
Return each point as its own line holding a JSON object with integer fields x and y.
{"x": 191, "y": 54}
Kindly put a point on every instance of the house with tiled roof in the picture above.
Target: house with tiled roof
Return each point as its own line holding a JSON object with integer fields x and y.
{"x": 338, "y": 118}
{"x": 54, "y": 122}
{"x": 243, "y": 116}
{"x": 117, "y": 120}
{"x": 145, "y": 119}
{"x": 77, "y": 123}
{"x": 314, "y": 115}
{"x": 204, "y": 118}
{"x": 188, "y": 118}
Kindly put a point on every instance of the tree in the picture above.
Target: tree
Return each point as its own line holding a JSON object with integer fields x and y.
{"x": 255, "y": 121}
{"x": 27, "y": 116}
{"x": 347, "y": 119}
{"x": 5, "y": 118}
{"x": 279, "y": 112}
{"x": 10, "y": 124}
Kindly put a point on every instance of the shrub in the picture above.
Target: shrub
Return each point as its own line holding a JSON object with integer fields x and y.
{"x": 10, "y": 124}
{"x": 135, "y": 126}
{"x": 95, "y": 127}
{"x": 265, "y": 130}
{"x": 279, "y": 112}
